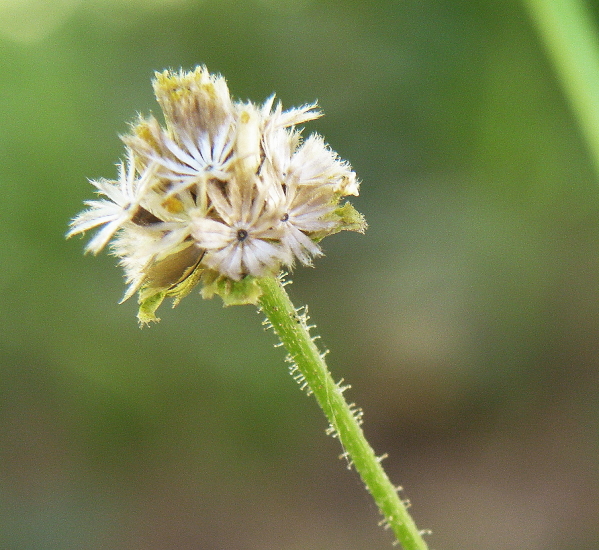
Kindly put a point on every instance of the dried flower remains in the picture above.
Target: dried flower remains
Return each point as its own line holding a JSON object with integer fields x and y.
{"x": 225, "y": 193}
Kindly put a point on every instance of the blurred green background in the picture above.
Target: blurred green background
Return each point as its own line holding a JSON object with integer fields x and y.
{"x": 466, "y": 318}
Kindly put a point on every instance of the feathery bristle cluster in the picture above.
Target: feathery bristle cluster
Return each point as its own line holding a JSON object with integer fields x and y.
{"x": 226, "y": 192}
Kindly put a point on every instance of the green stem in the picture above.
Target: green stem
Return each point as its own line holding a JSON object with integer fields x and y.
{"x": 570, "y": 37}
{"x": 345, "y": 419}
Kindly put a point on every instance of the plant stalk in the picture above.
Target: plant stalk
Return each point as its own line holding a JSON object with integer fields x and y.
{"x": 569, "y": 34}
{"x": 345, "y": 419}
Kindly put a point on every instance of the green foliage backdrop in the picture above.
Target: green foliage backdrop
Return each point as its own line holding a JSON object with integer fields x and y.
{"x": 466, "y": 318}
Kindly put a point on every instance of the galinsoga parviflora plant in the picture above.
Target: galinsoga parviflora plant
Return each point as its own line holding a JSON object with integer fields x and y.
{"x": 227, "y": 195}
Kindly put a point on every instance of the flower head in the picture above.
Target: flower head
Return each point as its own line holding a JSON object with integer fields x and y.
{"x": 224, "y": 193}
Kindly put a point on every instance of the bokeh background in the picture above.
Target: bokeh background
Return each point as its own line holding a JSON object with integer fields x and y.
{"x": 466, "y": 318}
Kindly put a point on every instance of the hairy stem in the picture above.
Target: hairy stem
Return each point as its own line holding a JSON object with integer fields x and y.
{"x": 344, "y": 419}
{"x": 569, "y": 34}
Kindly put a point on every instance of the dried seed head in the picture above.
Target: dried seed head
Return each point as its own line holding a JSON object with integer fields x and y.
{"x": 225, "y": 193}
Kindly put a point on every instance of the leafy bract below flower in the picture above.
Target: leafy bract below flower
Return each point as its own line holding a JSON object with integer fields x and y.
{"x": 226, "y": 192}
